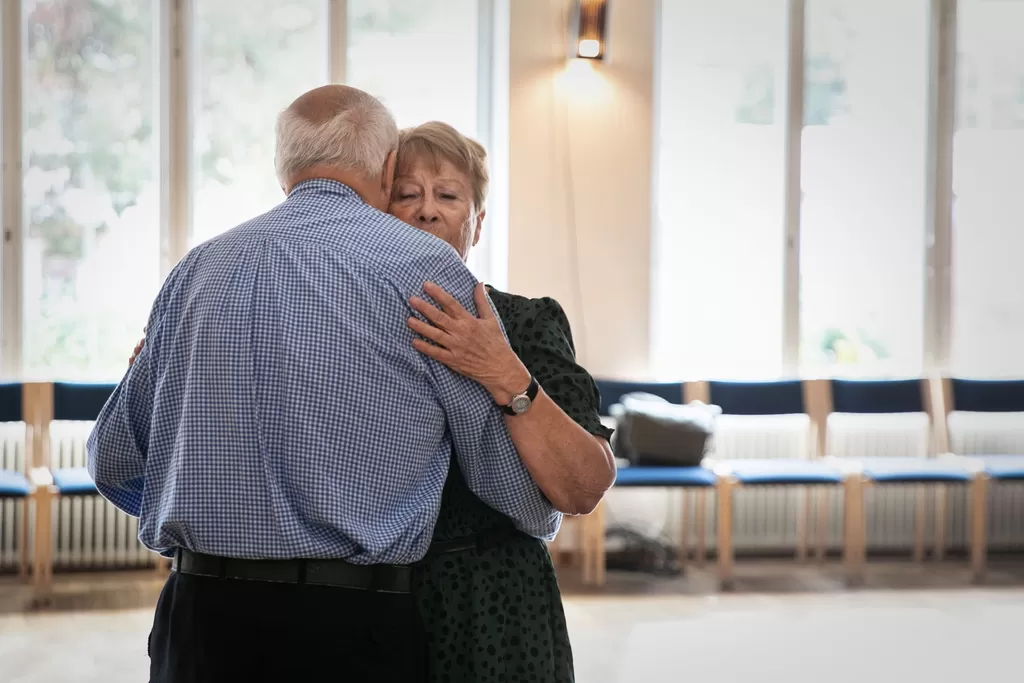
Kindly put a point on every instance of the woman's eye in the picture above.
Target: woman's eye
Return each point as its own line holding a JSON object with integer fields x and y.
{"x": 406, "y": 196}
{"x": 449, "y": 196}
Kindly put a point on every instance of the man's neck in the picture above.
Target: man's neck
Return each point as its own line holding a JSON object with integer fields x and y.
{"x": 359, "y": 185}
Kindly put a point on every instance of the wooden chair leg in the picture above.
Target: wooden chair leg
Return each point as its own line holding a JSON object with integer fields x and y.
{"x": 700, "y": 520}
{"x": 23, "y": 544}
{"x": 684, "y": 531}
{"x": 979, "y": 525}
{"x": 43, "y": 566}
{"x": 941, "y": 501}
{"x": 725, "y": 550}
{"x": 920, "y": 505}
{"x": 855, "y": 529}
{"x": 821, "y": 519}
{"x": 585, "y": 544}
{"x": 802, "y": 522}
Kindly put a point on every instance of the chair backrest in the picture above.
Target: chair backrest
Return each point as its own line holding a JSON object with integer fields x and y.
{"x": 784, "y": 397}
{"x": 11, "y": 402}
{"x": 80, "y": 401}
{"x": 878, "y": 396}
{"x": 983, "y": 416}
{"x": 613, "y": 390}
{"x": 985, "y": 396}
{"x": 879, "y": 417}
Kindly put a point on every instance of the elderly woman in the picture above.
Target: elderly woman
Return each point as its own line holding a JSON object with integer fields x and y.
{"x": 488, "y": 593}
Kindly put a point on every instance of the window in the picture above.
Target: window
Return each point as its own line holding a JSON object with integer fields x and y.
{"x": 91, "y": 196}
{"x": 719, "y": 256}
{"x": 420, "y": 58}
{"x": 96, "y": 167}
{"x": 864, "y": 170}
{"x": 423, "y": 60}
{"x": 252, "y": 58}
{"x": 988, "y": 177}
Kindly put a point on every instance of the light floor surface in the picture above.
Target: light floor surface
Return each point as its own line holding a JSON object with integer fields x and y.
{"x": 906, "y": 625}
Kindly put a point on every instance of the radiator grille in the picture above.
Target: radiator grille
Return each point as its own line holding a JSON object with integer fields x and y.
{"x": 89, "y": 532}
{"x": 12, "y": 457}
{"x": 891, "y": 509}
{"x": 992, "y": 434}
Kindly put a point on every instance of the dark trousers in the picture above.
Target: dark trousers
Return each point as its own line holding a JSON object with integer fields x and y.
{"x": 209, "y": 629}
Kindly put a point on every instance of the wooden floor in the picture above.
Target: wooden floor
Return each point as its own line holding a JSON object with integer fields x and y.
{"x": 796, "y": 624}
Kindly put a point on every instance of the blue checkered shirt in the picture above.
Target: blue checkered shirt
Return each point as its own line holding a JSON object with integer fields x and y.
{"x": 278, "y": 408}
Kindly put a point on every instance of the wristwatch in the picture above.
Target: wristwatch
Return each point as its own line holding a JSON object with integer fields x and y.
{"x": 520, "y": 403}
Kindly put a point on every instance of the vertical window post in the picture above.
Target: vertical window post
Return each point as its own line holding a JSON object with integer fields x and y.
{"x": 793, "y": 190}
{"x": 11, "y": 219}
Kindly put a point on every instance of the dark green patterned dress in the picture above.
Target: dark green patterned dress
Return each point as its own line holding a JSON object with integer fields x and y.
{"x": 495, "y": 614}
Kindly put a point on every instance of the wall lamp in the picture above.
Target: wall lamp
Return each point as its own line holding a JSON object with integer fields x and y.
{"x": 587, "y": 28}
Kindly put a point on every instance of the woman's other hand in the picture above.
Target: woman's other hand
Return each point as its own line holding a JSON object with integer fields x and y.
{"x": 137, "y": 351}
{"x": 471, "y": 346}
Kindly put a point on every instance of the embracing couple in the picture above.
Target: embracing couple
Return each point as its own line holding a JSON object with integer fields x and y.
{"x": 351, "y": 450}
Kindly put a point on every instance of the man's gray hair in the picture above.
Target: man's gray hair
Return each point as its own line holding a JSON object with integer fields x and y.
{"x": 336, "y": 126}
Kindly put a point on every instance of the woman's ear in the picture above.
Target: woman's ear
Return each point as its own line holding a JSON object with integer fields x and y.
{"x": 479, "y": 226}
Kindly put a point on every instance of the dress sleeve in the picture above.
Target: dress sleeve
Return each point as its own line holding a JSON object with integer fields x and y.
{"x": 547, "y": 350}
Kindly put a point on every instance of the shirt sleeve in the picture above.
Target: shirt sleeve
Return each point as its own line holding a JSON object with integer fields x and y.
{"x": 116, "y": 448}
{"x": 483, "y": 448}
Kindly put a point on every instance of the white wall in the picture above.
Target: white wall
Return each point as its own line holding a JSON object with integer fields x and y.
{"x": 580, "y": 178}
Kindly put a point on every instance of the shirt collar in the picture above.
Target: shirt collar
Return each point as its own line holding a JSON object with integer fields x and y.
{"x": 324, "y": 186}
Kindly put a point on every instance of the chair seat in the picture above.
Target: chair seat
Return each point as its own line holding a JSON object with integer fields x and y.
{"x": 1003, "y": 467}
{"x": 781, "y": 472}
{"x": 665, "y": 476}
{"x": 910, "y": 470}
{"x": 74, "y": 481}
{"x": 13, "y": 484}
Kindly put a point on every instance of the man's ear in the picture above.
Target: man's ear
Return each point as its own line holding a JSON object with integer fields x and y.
{"x": 387, "y": 179}
{"x": 479, "y": 226}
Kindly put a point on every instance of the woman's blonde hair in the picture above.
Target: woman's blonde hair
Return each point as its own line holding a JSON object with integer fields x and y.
{"x": 441, "y": 142}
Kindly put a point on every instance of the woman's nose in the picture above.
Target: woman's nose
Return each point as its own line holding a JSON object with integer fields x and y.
{"x": 428, "y": 213}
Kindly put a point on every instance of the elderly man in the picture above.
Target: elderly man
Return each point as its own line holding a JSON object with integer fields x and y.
{"x": 280, "y": 438}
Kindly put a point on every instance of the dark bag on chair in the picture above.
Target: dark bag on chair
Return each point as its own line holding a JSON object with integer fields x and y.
{"x": 653, "y": 432}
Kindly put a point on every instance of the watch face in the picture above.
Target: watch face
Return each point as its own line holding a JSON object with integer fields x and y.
{"x": 520, "y": 404}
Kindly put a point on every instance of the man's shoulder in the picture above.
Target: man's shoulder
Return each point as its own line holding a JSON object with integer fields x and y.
{"x": 399, "y": 250}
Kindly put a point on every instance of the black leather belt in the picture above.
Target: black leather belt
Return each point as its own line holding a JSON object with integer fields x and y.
{"x": 382, "y": 578}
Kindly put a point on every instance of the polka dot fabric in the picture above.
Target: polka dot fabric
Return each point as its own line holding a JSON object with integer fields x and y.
{"x": 496, "y": 614}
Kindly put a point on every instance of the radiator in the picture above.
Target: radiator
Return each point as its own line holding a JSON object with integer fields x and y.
{"x": 89, "y": 532}
{"x": 764, "y": 519}
{"x": 12, "y": 457}
{"x": 890, "y": 510}
{"x": 992, "y": 434}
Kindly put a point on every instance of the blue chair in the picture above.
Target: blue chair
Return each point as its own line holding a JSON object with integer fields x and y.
{"x": 902, "y": 396}
{"x": 785, "y": 397}
{"x": 67, "y": 401}
{"x": 14, "y": 484}
{"x": 612, "y": 392}
{"x": 1002, "y": 462}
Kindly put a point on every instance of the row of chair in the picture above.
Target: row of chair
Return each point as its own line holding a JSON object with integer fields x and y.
{"x": 823, "y": 401}
{"x": 35, "y": 479}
